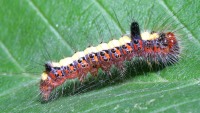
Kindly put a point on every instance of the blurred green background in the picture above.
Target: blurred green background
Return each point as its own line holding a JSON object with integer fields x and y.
{"x": 35, "y": 31}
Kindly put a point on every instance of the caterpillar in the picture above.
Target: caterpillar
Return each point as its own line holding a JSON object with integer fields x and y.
{"x": 156, "y": 47}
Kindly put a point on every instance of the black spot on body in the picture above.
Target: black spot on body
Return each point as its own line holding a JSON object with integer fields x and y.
{"x": 102, "y": 53}
{"x": 135, "y": 41}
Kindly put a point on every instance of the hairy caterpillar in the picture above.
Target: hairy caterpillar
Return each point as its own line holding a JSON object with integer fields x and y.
{"x": 30, "y": 41}
{"x": 156, "y": 47}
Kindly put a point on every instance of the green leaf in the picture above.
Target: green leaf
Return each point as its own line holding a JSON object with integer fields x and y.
{"x": 34, "y": 31}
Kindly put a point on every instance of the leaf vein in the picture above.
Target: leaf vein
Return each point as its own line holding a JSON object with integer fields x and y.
{"x": 174, "y": 105}
{"x": 51, "y": 27}
{"x": 10, "y": 56}
{"x": 141, "y": 96}
{"x": 190, "y": 35}
{"x": 108, "y": 15}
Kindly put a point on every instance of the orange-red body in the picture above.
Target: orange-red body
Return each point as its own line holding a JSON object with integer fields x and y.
{"x": 104, "y": 59}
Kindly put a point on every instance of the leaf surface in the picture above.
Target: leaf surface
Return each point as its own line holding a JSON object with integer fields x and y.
{"x": 34, "y": 31}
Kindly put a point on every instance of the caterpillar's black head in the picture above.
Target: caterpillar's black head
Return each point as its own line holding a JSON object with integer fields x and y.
{"x": 48, "y": 66}
{"x": 135, "y": 31}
